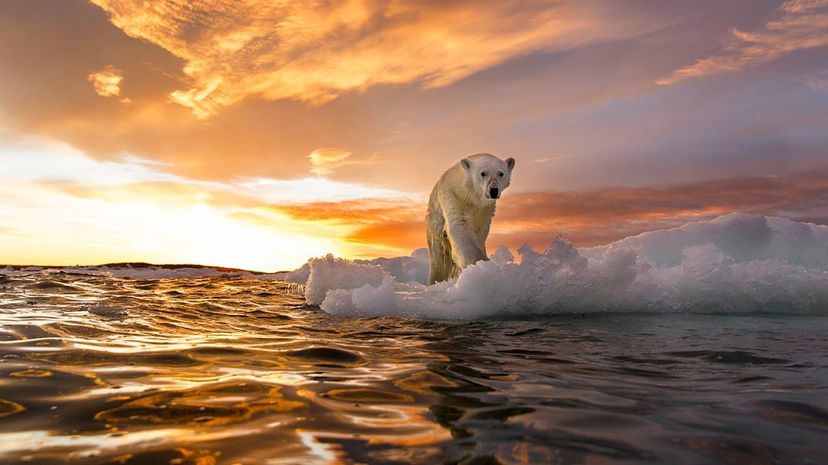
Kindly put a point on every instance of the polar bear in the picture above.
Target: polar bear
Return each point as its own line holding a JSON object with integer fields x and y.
{"x": 460, "y": 211}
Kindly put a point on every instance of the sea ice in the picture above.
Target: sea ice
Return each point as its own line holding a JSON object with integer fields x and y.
{"x": 328, "y": 272}
{"x": 733, "y": 264}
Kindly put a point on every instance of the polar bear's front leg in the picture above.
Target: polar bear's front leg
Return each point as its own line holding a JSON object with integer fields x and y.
{"x": 465, "y": 247}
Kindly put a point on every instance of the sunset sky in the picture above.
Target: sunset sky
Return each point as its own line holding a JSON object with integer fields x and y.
{"x": 256, "y": 134}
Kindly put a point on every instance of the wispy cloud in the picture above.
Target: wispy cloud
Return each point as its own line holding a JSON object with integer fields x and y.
{"x": 533, "y": 105}
{"x": 818, "y": 82}
{"x": 377, "y": 226}
{"x": 600, "y": 216}
{"x": 797, "y": 25}
{"x": 325, "y": 160}
{"x": 107, "y": 82}
{"x": 588, "y": 218}
{"x": 314, "y": 52}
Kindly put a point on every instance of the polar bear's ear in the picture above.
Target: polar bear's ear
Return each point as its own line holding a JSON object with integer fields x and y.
{"x": 466, "y": 164}
{"x": 510, "y": 162}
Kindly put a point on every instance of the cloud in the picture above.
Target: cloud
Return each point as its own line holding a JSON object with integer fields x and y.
{"x": 797, "y": 25}
{"x": 58, "y": 162}
{"x": 107, "y": 82}
{"x": 592, "y": 103}
{"x": 600, "y": 216}
{"x": 375, "y": 226}
{"x": 324, "y": 161}
{"x": 310, "y": 189}
{"x": 588, "y": 218}
{"x": 314, "y": 52}
{"x": 818, "y": 81}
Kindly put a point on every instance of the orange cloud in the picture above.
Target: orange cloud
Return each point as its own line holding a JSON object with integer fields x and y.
{"x": 603, "y": 215}
{"x": 314, "y": 52}
{"x": 372, "y": 226}
{"x": 588, "y": 218}
{"x": 798, "y": 25}
{"x": 324, "y": 161}
{"x": 107, "y": 82}
{"x": 554, "y": 101}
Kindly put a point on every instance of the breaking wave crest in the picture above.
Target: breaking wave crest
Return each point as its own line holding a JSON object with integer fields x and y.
{"x": 736, "y": 263}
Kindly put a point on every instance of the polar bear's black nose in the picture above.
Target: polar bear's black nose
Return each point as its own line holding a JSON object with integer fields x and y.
{"x": 493, "y": 191}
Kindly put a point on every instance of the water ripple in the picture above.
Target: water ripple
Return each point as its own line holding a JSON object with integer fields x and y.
{"x": 98, "y": 370}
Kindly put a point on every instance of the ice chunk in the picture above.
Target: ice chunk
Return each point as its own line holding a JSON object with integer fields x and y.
{"x": 502, "y": 255}
{"x": 328, "y": 273}
{"x": 366, "y": 300}
{"x": 405, "y": 269}
{"x": 735, "y": 263}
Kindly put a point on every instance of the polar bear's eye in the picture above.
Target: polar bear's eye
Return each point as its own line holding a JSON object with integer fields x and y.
{"x": 483, "y": 174}
{"x": 500, "y": 174}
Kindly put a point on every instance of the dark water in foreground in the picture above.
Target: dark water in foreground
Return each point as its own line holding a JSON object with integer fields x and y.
{"x": 211, "y": 370}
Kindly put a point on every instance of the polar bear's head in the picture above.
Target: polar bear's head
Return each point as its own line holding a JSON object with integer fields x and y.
{"x": 489, "y": 176}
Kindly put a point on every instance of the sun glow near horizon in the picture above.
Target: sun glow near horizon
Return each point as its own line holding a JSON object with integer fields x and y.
{"x": 64, "y": 208}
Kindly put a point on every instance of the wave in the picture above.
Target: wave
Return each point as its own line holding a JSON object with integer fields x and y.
{"x": 736, "y": 263}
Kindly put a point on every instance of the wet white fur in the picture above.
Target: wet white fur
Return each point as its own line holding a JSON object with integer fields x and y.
{"x": 460, "y": 213}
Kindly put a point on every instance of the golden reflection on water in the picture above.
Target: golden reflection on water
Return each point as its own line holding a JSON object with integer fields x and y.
{"x": 199, "y": 371}
{"x": 31, "y": 374}
{"x": 210, "y": 405}
{"x": 8, "y": 407}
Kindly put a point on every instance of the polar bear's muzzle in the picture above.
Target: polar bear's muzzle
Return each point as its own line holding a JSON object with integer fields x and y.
{"x": 494, "y": 193}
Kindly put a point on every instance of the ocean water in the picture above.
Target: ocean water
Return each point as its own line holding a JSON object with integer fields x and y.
{"x": 241, "y": 370}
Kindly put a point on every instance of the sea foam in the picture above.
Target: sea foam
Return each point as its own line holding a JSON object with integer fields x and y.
{"x": 736, "y": 263}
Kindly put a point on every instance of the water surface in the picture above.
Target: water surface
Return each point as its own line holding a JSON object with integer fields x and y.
{"x": 214, "y": 370}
